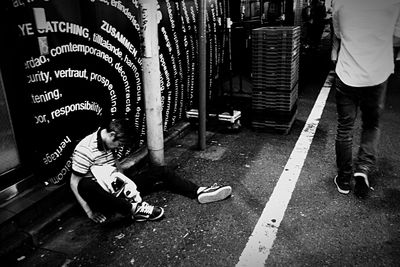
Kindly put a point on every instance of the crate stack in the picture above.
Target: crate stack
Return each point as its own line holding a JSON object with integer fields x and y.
{"x": 275, "y": 73}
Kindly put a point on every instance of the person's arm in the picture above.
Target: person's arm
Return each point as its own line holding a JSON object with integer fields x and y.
{"x": 396, "y": 41}
{"x": 396, "y": 34}
{"x": 94, "y": 216}
{"x": 396, "y": 37}
{"x": 336, "y": 42}
{"x": 335, "y": 49}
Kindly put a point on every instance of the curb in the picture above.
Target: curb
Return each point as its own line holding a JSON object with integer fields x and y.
{"x": 26, "y": 239}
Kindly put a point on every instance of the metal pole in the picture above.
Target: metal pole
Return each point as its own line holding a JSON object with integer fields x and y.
{"x": 203, "y": 75}
{"x": 151, "y": 80}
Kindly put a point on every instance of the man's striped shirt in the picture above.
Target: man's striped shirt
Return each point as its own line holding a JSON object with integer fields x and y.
{"x": 91, "y": 151}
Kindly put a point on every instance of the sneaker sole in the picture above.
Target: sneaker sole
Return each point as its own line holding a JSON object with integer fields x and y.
{"x": 150, "y": 219}
{"x": 219, "y": 194}
{"x": 344, "y": 192}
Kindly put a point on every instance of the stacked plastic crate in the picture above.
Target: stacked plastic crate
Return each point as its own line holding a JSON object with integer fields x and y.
{"x": 275, "y": 73}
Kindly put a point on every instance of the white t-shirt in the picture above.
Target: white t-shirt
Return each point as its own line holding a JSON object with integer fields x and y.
{"x": 365, "y": 29}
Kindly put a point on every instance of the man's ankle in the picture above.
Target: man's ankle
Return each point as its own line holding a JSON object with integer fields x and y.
{"x": 201, "y": 188}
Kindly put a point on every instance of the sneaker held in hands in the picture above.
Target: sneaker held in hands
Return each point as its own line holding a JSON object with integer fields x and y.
{"x": 147, "y": 212}
{"x": 214, "y": 193}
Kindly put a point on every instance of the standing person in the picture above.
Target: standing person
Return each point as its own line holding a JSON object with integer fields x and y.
{"x": 364, "y": 34}
{"x": 306, "y": 17}
{"x": 318, "y": 21}
{"x": 98, "y": 150}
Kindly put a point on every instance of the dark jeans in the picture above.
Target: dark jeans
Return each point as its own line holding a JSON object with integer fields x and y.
{"x": 162, "y": 177}
{"x": 100, "y": 200}
{"x": 370, "y": 100}
{"x": 316, "y": 31}
{"x": 147, "y": 181}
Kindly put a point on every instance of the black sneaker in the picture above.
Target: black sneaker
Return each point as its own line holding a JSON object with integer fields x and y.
{"x": 214, "y": 193}
{"x": 361, "y": 187}
{"x": 147, "y": 212}
{"x": 342, "y": 186}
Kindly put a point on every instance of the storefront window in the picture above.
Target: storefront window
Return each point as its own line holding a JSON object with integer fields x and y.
{"x": 265, "y": 10}
{"x": 250, "y": 9}
{"x": 9, "y": 158}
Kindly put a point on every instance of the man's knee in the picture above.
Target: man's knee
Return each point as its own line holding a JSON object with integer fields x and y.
{"x": 344, "y": 133}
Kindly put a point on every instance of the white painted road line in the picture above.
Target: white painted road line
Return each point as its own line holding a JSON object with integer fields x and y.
{"x": 261, "y": 240}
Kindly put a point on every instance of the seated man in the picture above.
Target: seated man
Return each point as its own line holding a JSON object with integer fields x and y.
{"x": 97, "y": 149}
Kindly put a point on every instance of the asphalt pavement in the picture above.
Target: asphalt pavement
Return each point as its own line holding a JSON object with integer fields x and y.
{"x": 320, "y": 227}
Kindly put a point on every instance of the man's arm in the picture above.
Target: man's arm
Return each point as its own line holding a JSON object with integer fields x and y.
{"x": 396, "y": 33}
{"x": 96, "y": 217}
{"x": 335, "y": 49}
{"x": 336, "y": 32}
{"x": 396, "y": 41}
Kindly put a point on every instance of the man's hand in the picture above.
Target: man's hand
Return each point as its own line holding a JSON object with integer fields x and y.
{"x": 333, "y": 64}
{"x": 396, "y": 41}
{"x": 96, "y": 217}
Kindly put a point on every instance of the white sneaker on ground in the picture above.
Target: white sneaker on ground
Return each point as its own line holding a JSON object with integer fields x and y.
{"x": 214, "y": 193}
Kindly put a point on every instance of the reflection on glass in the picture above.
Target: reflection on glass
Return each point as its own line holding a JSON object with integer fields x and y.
{"x": 266, "y": 10}
{"x": 250, "y": 9}
{"x": 9, "y": 157}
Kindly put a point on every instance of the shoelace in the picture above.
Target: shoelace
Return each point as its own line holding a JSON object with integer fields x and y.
{"x": 214, "y": 186}
{"x": 145, "y": 208}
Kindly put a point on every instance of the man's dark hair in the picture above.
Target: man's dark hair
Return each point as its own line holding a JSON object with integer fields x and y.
{"x": 124, "y": 130}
